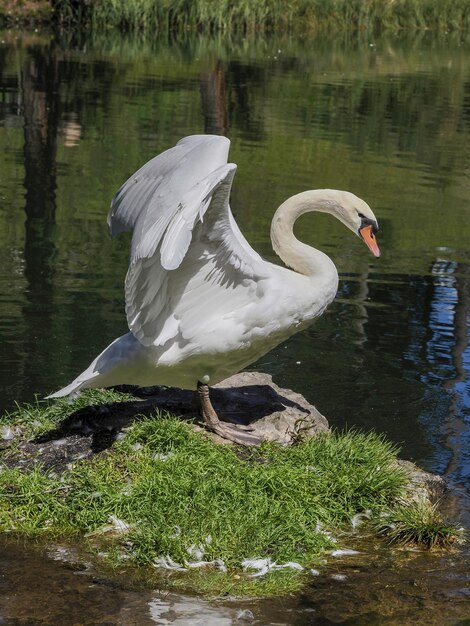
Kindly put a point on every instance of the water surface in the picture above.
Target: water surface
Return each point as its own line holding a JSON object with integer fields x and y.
{"x": 388, "y": 119}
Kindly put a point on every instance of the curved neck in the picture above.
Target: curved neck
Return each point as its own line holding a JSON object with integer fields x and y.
{"x": 300, "y": 257}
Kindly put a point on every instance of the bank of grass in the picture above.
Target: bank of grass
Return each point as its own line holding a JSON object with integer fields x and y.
{"x": 269, "y": 15}
{"x": 172, "y": 491}
{"x": 247, "y": 16}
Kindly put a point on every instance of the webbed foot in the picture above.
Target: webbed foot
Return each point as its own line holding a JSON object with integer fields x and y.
{"x": 238, "y": 433}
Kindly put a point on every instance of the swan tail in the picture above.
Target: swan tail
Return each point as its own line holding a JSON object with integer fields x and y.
{"x": 105, "y": 369}
{"x": 75, "y": 387}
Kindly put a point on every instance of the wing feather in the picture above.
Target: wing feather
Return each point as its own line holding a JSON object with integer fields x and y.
{"x": 186, "y": 244}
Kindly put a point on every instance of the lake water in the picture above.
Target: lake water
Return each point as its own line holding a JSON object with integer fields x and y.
{"x": 388, "y": 119}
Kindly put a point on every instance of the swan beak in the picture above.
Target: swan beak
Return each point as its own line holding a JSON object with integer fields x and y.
{"x": 368, "y": 235}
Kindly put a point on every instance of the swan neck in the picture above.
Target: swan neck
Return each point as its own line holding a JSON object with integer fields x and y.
{"x": 300, "y": 257}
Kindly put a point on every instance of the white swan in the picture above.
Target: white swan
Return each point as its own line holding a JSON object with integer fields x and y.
{"x": 201, "y": 304}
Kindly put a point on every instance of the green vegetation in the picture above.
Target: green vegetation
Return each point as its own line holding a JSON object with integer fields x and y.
{"x": 166, "y": 491}
{"x": 418, "y": 523}
{"x": 273, "y": 15}
{"x": 246, "y": 15}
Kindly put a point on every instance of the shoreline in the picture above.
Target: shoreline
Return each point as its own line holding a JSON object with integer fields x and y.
{"x": 203, "y": 16}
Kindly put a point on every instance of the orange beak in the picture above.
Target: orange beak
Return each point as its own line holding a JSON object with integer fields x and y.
{"x": 367, "y": 234}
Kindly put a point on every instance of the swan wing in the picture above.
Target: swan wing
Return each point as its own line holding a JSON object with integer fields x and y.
{"x": 185, "y": 240}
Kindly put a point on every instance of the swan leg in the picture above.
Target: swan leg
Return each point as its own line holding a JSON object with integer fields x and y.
{"x": 233, "y": 432}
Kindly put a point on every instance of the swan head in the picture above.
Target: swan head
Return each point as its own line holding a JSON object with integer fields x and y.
{"x": 357, "y": 216}
{"x": 345, "y": 206}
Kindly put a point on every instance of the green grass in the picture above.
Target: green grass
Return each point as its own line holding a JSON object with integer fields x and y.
{"x": 174, "y": 488}
{"x": 271, "y": 15}
{"x": 246, "y": 16}
{"x": 419, "y": 523}
{"x": 32, "y": 420}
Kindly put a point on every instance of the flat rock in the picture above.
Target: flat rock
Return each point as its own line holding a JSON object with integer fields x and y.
{"x": 248, "y": 398}
{"x": 287, "y": 418}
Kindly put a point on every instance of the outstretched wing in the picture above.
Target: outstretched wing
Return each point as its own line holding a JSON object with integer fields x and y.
{"x": 177, "y": 204}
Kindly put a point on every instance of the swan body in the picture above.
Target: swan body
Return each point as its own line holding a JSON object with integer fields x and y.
{"x": 201, "y": 304}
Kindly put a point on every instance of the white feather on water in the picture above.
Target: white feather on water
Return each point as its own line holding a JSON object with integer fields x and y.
{"x": 263, "y": 566}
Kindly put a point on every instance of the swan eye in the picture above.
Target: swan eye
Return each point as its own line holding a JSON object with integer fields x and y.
{"x": 366, "y": 221}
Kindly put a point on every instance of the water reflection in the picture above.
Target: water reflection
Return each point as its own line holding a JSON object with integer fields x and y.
{"x": 448, "y": 349}
{"x": 40, "y": 109}
{"x": 404, "y": 347}
{"x": 214, "y": 101}
{"x": 397, "y": 588}
{"x": 191, "y": 612}
{"x": 387, "y": 119}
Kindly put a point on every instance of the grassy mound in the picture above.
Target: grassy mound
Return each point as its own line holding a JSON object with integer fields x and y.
{"x": 172, "y": 494}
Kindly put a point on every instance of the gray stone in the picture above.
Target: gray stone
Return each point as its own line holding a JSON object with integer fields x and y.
{"x": 275, "y": 414}
{"x": 423, "y": 485}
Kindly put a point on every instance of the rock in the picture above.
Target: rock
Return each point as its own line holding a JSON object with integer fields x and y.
{"x": 423, "y": 485}
{"x": 252, "y": 398}
{"x": 275, "y": 414}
